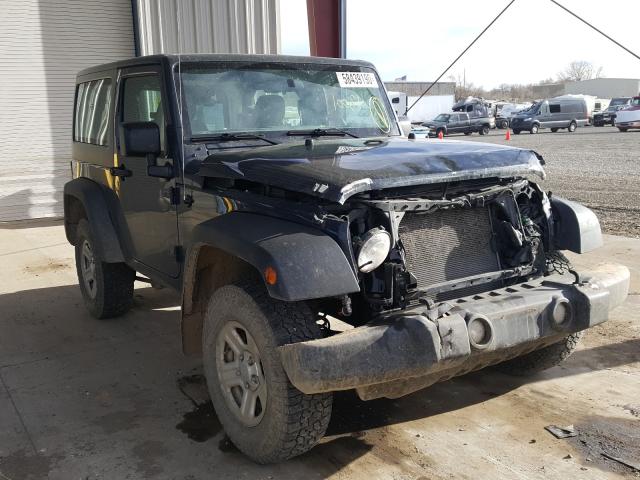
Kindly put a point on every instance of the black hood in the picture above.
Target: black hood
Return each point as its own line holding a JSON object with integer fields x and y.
{"x": 337, "y": 169}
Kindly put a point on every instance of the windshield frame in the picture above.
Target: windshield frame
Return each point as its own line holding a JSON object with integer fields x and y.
{"x": 279, "y": 134}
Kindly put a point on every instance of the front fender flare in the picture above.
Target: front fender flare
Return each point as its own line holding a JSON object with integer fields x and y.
{"x": 308, "y": 263}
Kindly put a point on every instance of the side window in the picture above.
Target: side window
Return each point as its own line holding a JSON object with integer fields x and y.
{"x": 142, "y": 102}
{"x": 395, "y": 100}
{"x": 554, "y": 108}
{"x": 91, "y": 112}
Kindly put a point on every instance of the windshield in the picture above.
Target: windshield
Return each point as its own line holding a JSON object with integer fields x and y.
{"x": 442, "y": 118}
{"x": 618, "y": 101}
{"x": 273, "y": 99}
{"x": 532, "y": 109}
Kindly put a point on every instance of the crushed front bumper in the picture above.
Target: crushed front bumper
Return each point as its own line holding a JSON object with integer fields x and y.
{"x": 410, "y": 350}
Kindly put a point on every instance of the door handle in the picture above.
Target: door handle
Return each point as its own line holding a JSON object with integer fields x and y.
{"x": 121, "y": 172}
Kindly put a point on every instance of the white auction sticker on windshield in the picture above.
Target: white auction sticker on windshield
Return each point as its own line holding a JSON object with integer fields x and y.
{"x": 357, "y": 80}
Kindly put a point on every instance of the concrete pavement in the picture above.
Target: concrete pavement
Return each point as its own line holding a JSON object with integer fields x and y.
{"x": 82, "y": 398}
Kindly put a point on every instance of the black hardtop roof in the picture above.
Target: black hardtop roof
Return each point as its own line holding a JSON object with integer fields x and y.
{"x": 172, "y": 59}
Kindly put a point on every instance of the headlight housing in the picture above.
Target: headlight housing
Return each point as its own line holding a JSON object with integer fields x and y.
{"x": 373, "y": 249}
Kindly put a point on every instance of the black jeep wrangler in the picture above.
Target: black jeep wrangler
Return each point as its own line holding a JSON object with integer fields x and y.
{"x": 316, "y": 249}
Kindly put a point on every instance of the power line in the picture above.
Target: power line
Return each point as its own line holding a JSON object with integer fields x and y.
{"x": 459, "y": 56}
{"x": 596, "y": 29}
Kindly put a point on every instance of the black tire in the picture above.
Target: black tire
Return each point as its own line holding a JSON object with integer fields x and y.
{"x": 572, "y": 127}
{"x": 109, "y": 291}
{"x": 292, "y": 422}
{"x": 534, "y": 128}
{"x": 516, "y": 131}
{"x": 468, "y": 133}
{"x": 554, "y": 129}
{"x": 440, "y": 130}
{"x": 622, "y": 129}
{"x": 543, "y": 359}
{"x": 484, "y": 130}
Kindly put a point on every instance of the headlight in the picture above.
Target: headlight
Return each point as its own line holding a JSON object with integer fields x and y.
{"x": 374, "y": 248}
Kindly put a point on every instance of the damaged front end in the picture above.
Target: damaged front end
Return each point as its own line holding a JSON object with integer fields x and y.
{"x": 472, "y": 276}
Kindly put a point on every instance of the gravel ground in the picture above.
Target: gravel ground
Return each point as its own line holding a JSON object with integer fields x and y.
{"x": 598, "y": 167}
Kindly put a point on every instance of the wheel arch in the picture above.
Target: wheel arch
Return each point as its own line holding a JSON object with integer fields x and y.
{"x": 308, "y": 264}
{"x": 84, "y": 198}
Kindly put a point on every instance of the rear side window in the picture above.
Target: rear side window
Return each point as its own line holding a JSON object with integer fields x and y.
{"x": 91, "y": 113}
{"x": 554, "y": 108}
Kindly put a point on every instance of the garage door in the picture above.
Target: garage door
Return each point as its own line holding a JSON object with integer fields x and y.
{"x": 42, "y": 46}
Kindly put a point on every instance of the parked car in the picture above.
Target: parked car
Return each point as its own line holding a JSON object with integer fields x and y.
{"x": 448, "y": 123}
{"x": 554, "y": 114}
{"x": 277, "y": 196}
{"x": 629, "y": 118}
{"x": 608, "y": 116}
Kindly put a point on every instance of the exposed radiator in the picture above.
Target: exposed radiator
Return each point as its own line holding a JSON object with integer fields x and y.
{"x": 447, "y": 245}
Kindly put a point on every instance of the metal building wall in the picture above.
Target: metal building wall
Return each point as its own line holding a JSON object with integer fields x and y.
{"x": 208, "y": 26}
{"x": 43, "y": 44}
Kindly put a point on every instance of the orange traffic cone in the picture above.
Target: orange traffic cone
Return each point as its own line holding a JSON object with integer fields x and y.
{"x": 440, "y": 135}
{"x": 508, "y": 135}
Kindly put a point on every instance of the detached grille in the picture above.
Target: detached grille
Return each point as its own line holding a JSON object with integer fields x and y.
{"x": 447, "y": 245}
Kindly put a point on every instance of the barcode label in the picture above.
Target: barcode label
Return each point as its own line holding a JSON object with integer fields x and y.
{"x": 357, "y": 80}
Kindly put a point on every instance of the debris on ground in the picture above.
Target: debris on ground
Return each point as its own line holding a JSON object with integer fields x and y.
{"x": 561, "y": 432}
{"x": 626, "y": 463}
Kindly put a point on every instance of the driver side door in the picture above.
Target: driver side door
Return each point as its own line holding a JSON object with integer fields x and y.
{"x": 146, "y": 201}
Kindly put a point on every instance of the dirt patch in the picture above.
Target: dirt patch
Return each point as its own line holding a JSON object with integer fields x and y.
{"x": 48, "y": 267}
{"x": 615, "y": 437}
{"x": 25, "y": 466}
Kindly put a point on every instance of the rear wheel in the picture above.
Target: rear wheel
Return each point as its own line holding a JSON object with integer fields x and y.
{"x": 107, "y": 288}
{"x": 468, "y": 133}
{"x": 504, "y": 124}
{"x": 263, "y": 414}
{"x": 534, "y": 128}
{"x": 542, "y": 359}
{"x": 572, "y": 127}
{"x": 622, "y": 129}
{"x": 554, "y": 129}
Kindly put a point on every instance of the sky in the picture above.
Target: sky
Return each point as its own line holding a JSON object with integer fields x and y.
{"x": 532, "y": 41}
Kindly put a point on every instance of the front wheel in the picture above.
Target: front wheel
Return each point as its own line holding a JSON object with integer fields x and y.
{"x": 534, "y": 128}
{"x": 107, "y": 288}
{"x": 263, "y": 414}
{"x": 516, "y": 131}
{"x": 468, "y": 133}
{"x": 542, "y": 359}
{"x": 572, "y": 127}
{"x": 484, "y": 130}
{"x": 622, "y": 129}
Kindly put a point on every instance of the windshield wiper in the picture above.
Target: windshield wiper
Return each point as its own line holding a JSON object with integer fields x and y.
{"x": 231, "y": 137}
{"x": 321, "y": 132}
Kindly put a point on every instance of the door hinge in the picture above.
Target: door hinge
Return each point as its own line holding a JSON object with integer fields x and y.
{"x": 178, "y": 251}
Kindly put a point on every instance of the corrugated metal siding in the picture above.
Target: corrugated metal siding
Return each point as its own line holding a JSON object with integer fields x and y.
{"x": 208, "y": 26}
{"x": 42, "y": 46}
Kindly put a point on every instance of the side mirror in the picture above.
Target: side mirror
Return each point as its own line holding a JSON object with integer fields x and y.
{"x": 141, "y": 139}
{"x": 405, "y": 125}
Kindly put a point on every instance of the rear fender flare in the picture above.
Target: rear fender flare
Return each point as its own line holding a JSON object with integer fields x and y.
{"x": 95, "y": 208}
